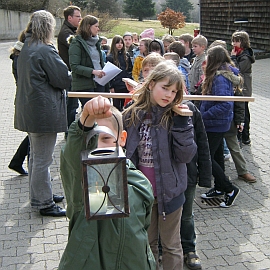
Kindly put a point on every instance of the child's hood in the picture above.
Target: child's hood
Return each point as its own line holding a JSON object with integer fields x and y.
{"x": 185, "y": 64}
{"x": 249, "y": 52}
{"x": 160, "y": 44}
{"x": 231, "y": 75}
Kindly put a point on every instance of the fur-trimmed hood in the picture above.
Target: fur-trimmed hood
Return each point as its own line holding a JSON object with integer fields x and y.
{"x": 232, "y": 75}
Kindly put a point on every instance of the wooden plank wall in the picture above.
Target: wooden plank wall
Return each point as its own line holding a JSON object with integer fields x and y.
{"x": 218, "y": 16}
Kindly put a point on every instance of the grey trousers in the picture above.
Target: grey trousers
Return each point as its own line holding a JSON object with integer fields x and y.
{"x": 41, "y": 157}
{"x": 236, "y": 153}
{"x": 169, "y": 231}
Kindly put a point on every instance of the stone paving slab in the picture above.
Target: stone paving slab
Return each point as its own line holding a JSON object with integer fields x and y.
{"x": 227, "y": 239}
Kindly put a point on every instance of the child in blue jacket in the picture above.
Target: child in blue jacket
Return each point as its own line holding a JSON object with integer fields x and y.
{"x": 217, "y": 117}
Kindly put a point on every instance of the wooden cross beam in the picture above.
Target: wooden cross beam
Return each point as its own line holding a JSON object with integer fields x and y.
{"x": 180, "y": 111}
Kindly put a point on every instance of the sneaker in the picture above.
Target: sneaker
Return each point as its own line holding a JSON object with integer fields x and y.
{"x": 192, "y": 260}
{"x": 227, "y": 157}
{"x": 229, "y": 200}
{"x": 212, "y": 193}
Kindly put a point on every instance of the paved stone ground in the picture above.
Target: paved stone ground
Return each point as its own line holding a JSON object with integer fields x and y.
{"x": 234, "y": 238}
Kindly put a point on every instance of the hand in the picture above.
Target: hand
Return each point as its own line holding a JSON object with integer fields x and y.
{"x": 240, "y": 128}
{"x": 233, "y": 52}
{"x": 129, "y": 87}
{"x": 98, "y": 73}
{"x": 182, "y": 106}
{"x": 96, "y": 108}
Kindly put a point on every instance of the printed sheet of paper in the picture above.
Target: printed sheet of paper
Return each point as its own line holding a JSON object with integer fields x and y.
{"x": 111, "y": 71}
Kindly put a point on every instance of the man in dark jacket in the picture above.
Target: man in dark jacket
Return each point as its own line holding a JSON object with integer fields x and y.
{"x": 73, "y": 17}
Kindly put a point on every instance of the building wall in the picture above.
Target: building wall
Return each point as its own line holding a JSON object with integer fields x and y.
{"x": 13, "y": 22}
{"x": 218, "y": 20}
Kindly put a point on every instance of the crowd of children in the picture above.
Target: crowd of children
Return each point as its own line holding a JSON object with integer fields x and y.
{"x": 167, "y": 154}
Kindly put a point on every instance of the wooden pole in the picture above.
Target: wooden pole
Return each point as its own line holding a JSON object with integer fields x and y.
{"x": 176, "y": 109}
{"x": 185, "y": 97}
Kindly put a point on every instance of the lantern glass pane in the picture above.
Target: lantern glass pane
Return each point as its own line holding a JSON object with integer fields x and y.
{"x": 100, "y": 177}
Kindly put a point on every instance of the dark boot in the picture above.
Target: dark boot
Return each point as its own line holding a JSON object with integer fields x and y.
{"x": 19, "y": 157}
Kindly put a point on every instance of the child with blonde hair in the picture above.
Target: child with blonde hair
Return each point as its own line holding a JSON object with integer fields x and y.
{"x": 199, "y": 45}
{"x": 186, "y": 39}
{"x": 172, "y": 56}
{"x": 160, "y": 143}
{"x": 148, "y": 64}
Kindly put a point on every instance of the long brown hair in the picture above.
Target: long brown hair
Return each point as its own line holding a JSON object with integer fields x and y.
{"x": 142, "y": 96}
{"x": 114, "y": 51}
{"x": 217, "y": 58}
{"x": 84, "y": 26}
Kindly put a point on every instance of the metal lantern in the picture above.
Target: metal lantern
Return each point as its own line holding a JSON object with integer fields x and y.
{"x": 105, "y": 180}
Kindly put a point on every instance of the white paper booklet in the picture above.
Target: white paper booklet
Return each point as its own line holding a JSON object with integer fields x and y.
{"x": 111, "y": 71}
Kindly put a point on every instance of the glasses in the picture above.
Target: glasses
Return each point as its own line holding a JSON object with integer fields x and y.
{"x": 76, "y": 16}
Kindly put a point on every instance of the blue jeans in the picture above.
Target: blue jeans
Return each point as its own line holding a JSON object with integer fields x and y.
{"x": 187, "y": 230}
{"x": 226, "y": 150}
{"x": 41, "y": 157}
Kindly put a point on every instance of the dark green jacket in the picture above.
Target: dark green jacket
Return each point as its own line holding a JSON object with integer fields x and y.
{"x": 81, "y": 64}
{"x": 110, "y": 244}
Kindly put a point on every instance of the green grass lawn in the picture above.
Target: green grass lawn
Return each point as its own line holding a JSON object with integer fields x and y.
{"x": 126, "y": 25}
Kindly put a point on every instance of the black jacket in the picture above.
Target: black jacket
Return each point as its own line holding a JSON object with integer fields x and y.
{"x": 66, "y": 30}
{"x": 117, "y": 82}
{"x": 199, "y": 170}
{"x": 238, "y": 115}
{"x": 244, "y": 62}
{"x": 14, "y": 58}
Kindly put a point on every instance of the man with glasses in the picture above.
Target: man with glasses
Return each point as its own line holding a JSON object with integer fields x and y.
{"x": 73, "y": 17}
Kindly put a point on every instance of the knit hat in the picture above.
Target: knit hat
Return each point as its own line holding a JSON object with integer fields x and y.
{"x": 18, "y": 45}
{"x": 148, "y": 33}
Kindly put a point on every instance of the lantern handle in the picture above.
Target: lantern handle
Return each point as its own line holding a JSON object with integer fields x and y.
{"x": 97, "y": 130}
{"x": 103, "y": 129}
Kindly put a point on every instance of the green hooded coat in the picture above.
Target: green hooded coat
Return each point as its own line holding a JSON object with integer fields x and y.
{"x": 110, "y": 244}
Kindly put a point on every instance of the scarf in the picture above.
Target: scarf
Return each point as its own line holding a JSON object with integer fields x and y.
{"x": 95, "y": 56}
